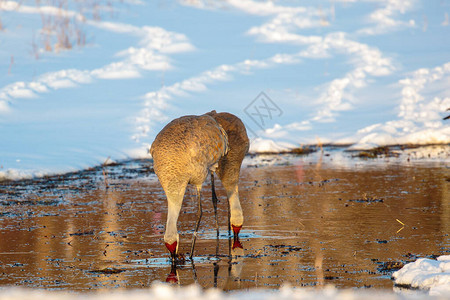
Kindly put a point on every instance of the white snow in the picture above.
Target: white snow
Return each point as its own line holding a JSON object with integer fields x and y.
{"x": 265, "y": 145}
{"x": 366, "y": 73}
{"x": 195, "y": 292}
{"x": 428, "y": 274}
{"x": 419, "y": 121}
{"x": 383, "y": 17}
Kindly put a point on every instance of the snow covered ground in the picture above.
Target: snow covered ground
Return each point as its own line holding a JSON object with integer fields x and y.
{"x": 165, "y": 291}
{"x": 426, "y": 274}
{"x": 82, "y": 81}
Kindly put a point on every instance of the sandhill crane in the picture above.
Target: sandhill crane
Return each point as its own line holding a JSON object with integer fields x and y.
{"x": 183, "y": 152}
{"x": 229, "y": 168}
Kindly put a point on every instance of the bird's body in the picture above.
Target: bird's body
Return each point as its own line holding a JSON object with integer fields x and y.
{"x": 183, "y": 153}
{"x": 230, "y": 165}
{"x": 186, "y": 149}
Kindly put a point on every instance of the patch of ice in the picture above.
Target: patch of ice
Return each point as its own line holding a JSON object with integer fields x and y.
{"x": 429, "y": 274}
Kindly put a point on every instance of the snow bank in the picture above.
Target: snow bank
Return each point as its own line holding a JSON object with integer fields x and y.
{"x": 259, "y": 145}
{"x": 429, "y": 274}
{"x": 415, "y": 136}
{"x": 419, "y": 114}
{"x": 195, "y": 292}
{"x": 76, "y": 108}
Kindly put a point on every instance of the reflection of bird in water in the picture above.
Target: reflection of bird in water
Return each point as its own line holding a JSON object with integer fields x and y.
{"x": 237, "y": 262}
{"x": 173, "y": 275}
{"x": 235, "y": 265}
{"x": 183, "y": 152}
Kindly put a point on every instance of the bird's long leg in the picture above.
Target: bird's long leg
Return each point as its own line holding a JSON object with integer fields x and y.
{"x": 229, "y": 227}
{"x": 214, "y": 201}
{"x": 199, "y": 217}
{"x": 229, "y": 216}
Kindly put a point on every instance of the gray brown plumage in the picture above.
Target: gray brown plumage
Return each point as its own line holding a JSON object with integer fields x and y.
{"x": 184, "y": 152}
{"x": 230, "y": 165}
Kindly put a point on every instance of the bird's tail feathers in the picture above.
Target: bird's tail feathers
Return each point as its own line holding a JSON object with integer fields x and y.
{"x": 225, "y": 135}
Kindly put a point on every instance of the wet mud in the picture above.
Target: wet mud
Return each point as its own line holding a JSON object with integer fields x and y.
{"x": 309, "y": 221}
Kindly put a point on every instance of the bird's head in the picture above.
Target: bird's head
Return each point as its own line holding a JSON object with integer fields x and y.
{"x": 173, "y": 249}
{"x": 236, "y": 230}
{"x": 172, "y": 246}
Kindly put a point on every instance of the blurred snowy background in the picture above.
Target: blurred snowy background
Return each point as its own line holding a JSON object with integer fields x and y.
{"x": 82, "y": 81}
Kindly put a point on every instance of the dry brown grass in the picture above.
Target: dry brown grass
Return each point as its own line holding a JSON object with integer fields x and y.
{"x": 59, "y": 31}
{"x": 62, "y": 30}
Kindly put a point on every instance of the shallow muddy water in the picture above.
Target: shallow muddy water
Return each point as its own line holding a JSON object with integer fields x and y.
{"x": 309, "y": 221}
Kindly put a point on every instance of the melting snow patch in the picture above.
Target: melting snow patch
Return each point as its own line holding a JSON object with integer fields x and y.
{"x": 165, "y": 291}
{"x": 429, "y": 274}
{"x": 264, "y": 145}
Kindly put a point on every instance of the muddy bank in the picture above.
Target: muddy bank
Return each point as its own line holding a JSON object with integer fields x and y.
{"x": 309, "y": 221}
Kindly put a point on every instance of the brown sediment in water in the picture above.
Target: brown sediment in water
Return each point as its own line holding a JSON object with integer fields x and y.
{"x": 307, "y": 223}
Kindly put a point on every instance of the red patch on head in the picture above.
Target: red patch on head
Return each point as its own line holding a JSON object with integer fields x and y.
{"x": 172, "y": 247}
{"x": 236, "y": 229}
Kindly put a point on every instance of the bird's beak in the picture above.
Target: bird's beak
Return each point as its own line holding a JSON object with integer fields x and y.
{"x": 236, "y": 242}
